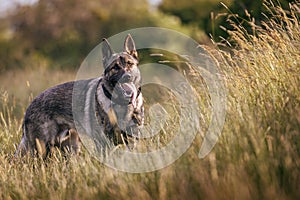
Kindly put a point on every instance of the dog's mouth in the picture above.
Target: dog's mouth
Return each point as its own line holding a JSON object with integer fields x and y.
{"x": 128, "y": 92}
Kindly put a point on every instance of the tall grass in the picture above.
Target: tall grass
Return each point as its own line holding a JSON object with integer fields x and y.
{"x": 257, "y": 156}
{"x": 261, "y": 134}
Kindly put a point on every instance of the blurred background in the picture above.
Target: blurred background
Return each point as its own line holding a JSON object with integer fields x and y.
{"x": 43, "y": 42}
{"x": 62, "y": 32}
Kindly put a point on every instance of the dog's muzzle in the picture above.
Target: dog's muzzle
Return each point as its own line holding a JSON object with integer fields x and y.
{"x": 127, "y": 91}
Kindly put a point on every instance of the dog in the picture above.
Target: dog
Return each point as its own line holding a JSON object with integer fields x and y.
{"x": 60, "y": 115}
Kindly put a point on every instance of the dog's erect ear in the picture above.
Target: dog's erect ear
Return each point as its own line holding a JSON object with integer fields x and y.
{"x": 107, "y": 52}
{"x": 129, "y": 46}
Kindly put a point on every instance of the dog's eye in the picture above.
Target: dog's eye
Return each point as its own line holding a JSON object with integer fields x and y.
{"x": 116, "y": 67}
{"x": 129, "y": 63}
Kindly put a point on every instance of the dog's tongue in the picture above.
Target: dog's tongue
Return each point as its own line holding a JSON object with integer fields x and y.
{"x": 130, "y": 88}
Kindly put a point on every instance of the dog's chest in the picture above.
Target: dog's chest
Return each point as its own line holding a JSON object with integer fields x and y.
{"x": 102, "y": 100}
{"x": 110, "y": 112}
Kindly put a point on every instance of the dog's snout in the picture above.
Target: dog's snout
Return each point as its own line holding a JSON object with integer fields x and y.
{"x": 126, "y": 78}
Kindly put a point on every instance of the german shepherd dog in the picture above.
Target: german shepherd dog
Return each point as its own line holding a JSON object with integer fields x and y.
{"x": 113, "y": 99}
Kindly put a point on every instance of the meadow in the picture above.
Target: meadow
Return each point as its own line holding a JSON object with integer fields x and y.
{"x": 256, "y": 157}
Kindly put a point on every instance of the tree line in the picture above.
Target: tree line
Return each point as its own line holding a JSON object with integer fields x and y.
{"x": 62, "y": 32}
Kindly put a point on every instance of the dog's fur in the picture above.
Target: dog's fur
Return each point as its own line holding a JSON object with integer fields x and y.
{"x": 51, "y": 119}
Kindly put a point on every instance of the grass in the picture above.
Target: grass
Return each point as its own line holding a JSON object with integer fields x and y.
{"x": 257, "y": 156}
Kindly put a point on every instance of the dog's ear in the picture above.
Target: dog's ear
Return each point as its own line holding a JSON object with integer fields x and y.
{"x": 107, "y": 52}
{"x": 129, "y": 46}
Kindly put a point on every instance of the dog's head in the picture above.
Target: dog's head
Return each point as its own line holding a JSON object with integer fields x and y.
{"x": 121, "y": 71}
{"x": 122, "y": 84}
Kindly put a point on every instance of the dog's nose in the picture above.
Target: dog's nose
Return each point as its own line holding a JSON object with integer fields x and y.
{"x": 126, "y": 78}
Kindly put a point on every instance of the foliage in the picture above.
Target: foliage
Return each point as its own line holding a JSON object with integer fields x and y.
{"x": 209, "y": 15}
{"x": 65, "y": 31}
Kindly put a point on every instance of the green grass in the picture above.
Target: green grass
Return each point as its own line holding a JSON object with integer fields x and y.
{"x": 256, "y": 157}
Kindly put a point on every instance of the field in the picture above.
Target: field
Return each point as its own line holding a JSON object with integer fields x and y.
{"x": 256, "y": 157}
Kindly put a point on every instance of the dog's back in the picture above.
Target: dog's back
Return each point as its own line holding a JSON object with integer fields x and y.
{"x": 48, "y": 120}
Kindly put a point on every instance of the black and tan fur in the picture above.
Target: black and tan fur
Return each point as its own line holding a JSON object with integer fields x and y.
{"x": 113, "y": 102}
